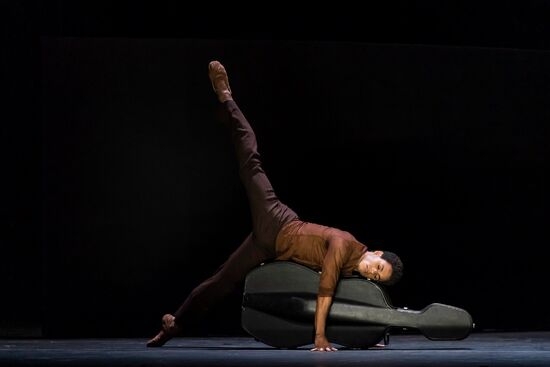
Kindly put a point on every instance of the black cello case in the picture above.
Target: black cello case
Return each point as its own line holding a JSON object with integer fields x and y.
{"x": 279, "y": 303}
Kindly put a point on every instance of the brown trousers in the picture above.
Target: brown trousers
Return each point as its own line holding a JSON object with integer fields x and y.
{"x": 269, "y": 215}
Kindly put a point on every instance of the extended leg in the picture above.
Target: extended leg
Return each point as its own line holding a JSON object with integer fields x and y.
{"x": 224, "y": 280}
{"x": 269, "y": 214}
{"x": 208, "y": 293}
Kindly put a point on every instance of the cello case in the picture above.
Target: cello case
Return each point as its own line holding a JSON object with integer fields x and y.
{"x": 279, "y": 303}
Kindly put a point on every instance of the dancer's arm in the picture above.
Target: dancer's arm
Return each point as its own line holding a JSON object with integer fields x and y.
{"x": 321, "y": 312}
{"x": 332, "y": 265}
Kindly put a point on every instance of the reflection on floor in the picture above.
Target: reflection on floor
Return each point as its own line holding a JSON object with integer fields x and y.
{"x": 479, "y": 349}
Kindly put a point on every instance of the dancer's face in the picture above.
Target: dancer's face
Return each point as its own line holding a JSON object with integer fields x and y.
{"x": 373, "y": 267}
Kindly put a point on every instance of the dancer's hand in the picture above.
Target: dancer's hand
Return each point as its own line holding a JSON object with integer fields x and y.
{"x": 322, "y": 345}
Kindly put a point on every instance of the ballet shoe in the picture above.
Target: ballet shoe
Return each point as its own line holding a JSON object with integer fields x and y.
{"x": 168, "y": 331}
{"x": 220, "y": 82}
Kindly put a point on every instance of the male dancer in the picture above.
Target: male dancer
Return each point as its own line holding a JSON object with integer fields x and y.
{"x": 277, "y": 234}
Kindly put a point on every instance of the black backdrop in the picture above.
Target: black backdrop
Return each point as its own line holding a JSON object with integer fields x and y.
{"x": 436, "y": 153}
{"x": 418, "y": 126}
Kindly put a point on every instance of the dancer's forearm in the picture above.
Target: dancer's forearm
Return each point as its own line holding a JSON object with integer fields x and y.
{"x": 321, "y": 313}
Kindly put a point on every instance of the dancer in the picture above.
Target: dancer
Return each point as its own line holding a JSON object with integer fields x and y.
{"x": 277, "y": 234}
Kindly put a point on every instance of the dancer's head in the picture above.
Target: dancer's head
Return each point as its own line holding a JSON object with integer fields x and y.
{"x": 381, "y": 266}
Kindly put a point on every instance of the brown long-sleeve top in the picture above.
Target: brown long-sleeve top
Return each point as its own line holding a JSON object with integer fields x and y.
{"x": 318, "y": 247}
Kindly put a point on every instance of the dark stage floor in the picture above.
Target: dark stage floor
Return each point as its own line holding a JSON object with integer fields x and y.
{"x": 479, "y": 349}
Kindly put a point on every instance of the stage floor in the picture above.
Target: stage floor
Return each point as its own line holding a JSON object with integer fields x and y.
{"x": 479, "y": 349}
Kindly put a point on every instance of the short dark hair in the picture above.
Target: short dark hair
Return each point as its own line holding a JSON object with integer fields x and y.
{"x": 396, "y": 265}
